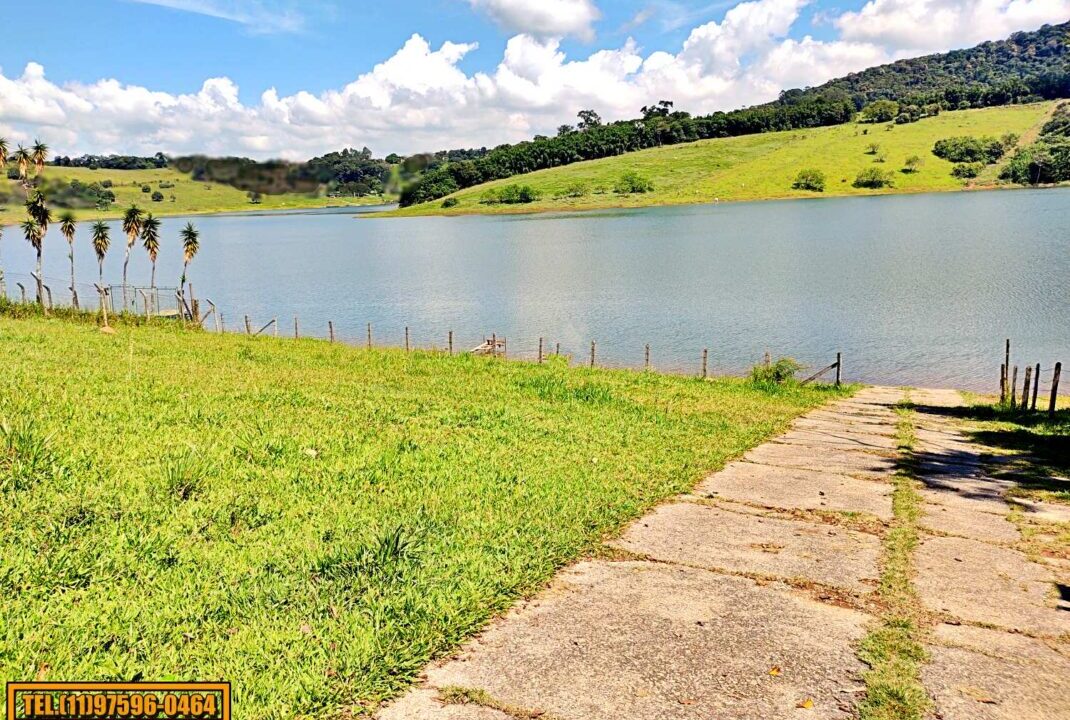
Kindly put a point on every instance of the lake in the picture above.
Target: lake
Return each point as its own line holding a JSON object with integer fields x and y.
{"x": 913, "y": 289}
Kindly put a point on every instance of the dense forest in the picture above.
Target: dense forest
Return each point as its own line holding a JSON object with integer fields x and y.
{"x": 112, "y": 162}
{"x": 1048, "y": 159}
{"x": 1026, "y": 67}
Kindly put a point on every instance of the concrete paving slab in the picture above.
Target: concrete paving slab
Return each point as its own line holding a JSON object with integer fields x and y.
{"x": 971, "y": 493}
{"x": 1043, "y": 511}
{"x": 980, "y": 674}
{"x": 709, "y": 537}
{"x": 842, "y": 439}
{"x": 969, "y": 522}
{"x": 847, "y": 462}
{"x": 841, "y": 424}
{"x": 424, "y": 704}
{"x": 935, "y": 397}
{"x": 788, "y": 488}
{"x": 650, "y": 641}
{"x": 983, "y": 583}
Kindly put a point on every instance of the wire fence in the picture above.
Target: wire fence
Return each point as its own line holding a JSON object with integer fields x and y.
{"x": 60, "y": 293}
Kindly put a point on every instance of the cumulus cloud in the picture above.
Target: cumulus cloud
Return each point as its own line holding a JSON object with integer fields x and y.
{"x": 547, "y": 18}
{"x": 420, "y": 99}
{"x": 921, "y": 26}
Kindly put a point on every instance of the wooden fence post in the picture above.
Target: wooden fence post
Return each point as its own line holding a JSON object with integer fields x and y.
{"x": 1025, "y": 387}
{"x": 646, "y": 358}
{"x": 451, "y": 342}
{"x": 592, "y": 353}
{"x": 839, "y": 367}
{"x": 705, "y": 361}
{"x": 494, "y": 344}
{"x": 540, "y": 351}
{"x": 275, "y": 322}
{"x": 1055, "y": 388}
{"x": 1013, "y": 389}
{"x": 369, "y": 336}
{"x": 248, "y": 327}
{"x": 1007, "y": 365}
{"x": 1036, "y": 386}
{"x": 768, "y": 359}
{"x": 222, "y": 324}
{"x": 406, "y": 338}
{"x": 330, "y": 330}
{"x": 297, "y": 330}
{"x": 557, "y": 350}
{"x": 1002, "y": 384}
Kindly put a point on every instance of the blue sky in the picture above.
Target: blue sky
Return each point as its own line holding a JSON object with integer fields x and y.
{"x": 290, "y": 78}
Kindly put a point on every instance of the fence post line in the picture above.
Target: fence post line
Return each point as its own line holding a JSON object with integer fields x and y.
{"x": 406, "y": 338}
{"x": 297, "y": 331}
{"x": 1014, "y": 386}
{"x": 330, "y": 330}
{"x": 1025, "y": 387}
{"x": 705, "y": 361}
{"x": 1036, "y": 386}
{"x": 248, "y": 327}
{"x": 646, "y": 357}
{"x": 592, "y": 354}
{"x": 451, "y": 342}
{"x": 540, "y": 351}
{"x": 839, "y": 367}
{"x": 1055, "y": 388}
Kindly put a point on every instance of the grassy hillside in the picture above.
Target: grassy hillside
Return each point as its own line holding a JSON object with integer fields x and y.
{"x": 311, "y": 521}
{"x": 191, "y": 197}
{"x": 758, "y": 167}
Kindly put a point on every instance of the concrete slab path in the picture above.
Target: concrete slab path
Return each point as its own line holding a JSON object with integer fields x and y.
{"x": 747, "y": 598}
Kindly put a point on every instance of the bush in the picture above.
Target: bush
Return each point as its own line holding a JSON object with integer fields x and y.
{"x": 874, "y": 179}
{"x": 450, "y": 202}
{"x": 966, "y": 149}
{"x": 780, "y": 372}
{"x": 12, "y": 173}
{"x": 575, "y": 190}
{"x": 965, "y": 171}
{"x": 810, "y": 179}
{"x": 509, "y": 195}
{"x": 632, "y": 182}
{"x": 157, "y": 196}
{"x": 106, "y": 183}
{"x": 912, "y": 164}
{"x": 146, "y": 189}
{"x": 873, "y": 148}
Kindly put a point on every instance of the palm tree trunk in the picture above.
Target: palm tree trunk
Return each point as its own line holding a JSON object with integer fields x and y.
{"x": 74, "y": 290}
{"x": 126, "y": 262}
{"x": 182, "y": 290}
{"x": 100, "y": 289}
{"x": 40, "y": 281}
{"x": 152, "y": 287}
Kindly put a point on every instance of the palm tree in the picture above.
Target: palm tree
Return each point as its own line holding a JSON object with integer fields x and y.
{"x": 22, "y": 159}
{"x": 37, "y": 209}
{"x": 3, "y": 153}
{"x": 132, "y": 228}
{"x": 191, "y": 243}
{"x": 150, "y": 236}
{"x": 34, "y": 236}
{"x": 101, "y": 242}
{"x": 39, "y": 155}
{"x": 67, "y": 226}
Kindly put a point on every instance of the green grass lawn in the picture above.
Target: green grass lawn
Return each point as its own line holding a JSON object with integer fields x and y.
{"x": 311, "y": 521}
{"x": 191, "y": 197}
{"x": 759, "y": 167}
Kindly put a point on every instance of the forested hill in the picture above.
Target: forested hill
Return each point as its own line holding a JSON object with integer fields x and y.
{"x": 1026, "y": 67}
{"x": 1039, "y": 60}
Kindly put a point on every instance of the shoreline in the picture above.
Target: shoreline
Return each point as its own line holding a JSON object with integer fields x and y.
{"x": 400, "y": 214}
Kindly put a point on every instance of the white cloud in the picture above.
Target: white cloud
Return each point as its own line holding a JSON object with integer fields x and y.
{"x": 420, "y": 99}
{"x": 266, "y": 16}
{"x": 923, "y": 26}
{"x": 546, "y": 18}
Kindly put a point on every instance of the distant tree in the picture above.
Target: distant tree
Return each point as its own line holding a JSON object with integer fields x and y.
{"x": 254, "y": 197}
{"x": 873, "y": 148}
{"x": 101, "y": 243}
{"x": 3, "y": 152}
{"x": 632, "y": 182}
{"x": 146, "y": 189}
{"x": 1008, "y": 141}
{"x": 588, "y": 119}
{"x": 67, "y": 227}
{"x": 157, "y": 196}
{"x": 39, "y": 155}
{"x": 450, "y": 203}
{"x": 912, "y": 164}
{"x": 661, "y": 109}
{"x": 810, "y": 179}
{"x": 393, "y": 159}
{"x": 22, "y": 159}
{"x": 563, "y": 130}
{"x": 880, "y": 111}
{"x": 873, "y": 179}
{"x": 965, "y": 171}
{"x": 967, "y": 149}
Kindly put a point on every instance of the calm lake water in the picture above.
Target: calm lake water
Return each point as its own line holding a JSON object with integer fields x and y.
{"x": 913, "y": 289}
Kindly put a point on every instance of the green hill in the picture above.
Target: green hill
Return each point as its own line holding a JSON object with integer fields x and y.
{"x": 190, "y": 196}
{"x": 759, "y": 167}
